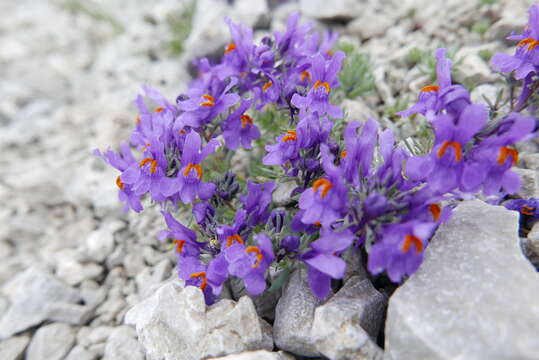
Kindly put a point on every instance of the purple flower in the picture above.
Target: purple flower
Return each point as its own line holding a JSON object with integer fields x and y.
{"x": 528, "y": 207}
{"x": 286, "y": 149}
{"x": 312, "y": 130}
{"x": 208, "y": 277}
{"x": 184, "y": 238}
{"x": 256, "y": 202}
{"x": 290, "y": 243}
{"x": 250, "y": 263}
{"x": 357, "y": 157}
{"x": 327, "y": 200}
{"x": 435, "y": 98}
{"x": 526, "y": 58}
{"x": 399, "y": 251}
{"x": 230, "y": 234}
{"x": 324, "y": 76}
{"x": 443, "y": 167}
{"x": 150, "y": 173}
{"x": 204, "y": 104}
{"x": 239, "y": 52}
{"x": 323, "y": 262}
{"x": 189, "y": 179}
{"x": 121, "y": 161}
{"x": 239, "y": 128}
{"x": 491, "y": 160}
{"x": 202, "y": 212}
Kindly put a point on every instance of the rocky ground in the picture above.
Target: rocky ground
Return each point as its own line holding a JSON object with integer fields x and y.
{"x": 76, "y": 272}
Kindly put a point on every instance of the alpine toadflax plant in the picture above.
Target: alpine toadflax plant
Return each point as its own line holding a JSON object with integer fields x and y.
{"x": 352, "y": 187}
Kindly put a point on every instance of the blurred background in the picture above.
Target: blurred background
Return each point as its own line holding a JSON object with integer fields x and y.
{"x": 70, "y": 70}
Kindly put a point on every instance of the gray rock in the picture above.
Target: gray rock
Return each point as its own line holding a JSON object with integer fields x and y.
{"x": 257, "y": 355}
{"x": 480, "y": 92}
{"x": 343, "y": 327}
{"x": 354, "y": 265}
{"x": 209, "y": 33}
{"x": 357, "y": 110}
{"x": 70, "y": 313}
{"x": 224, "y": 328}
{"x": 474, "y": 296}
{"x": 100, "y": 243}
{"x": 371, "y": 24}
{"x": 73, "y": 272}
{"x": 234, "y": 327}
{"x": 530, "y": 245}
{"x": 123, "y": 345}
{"x": 133, "y": 264}
{"x": 264, "y": 303}
{"x": 474, "y": 69}
{"x": 294, "y": 316}
{"x": 51, "y": 342}
{"x": 34, "y": 295}
{"x": 330, "y": 10}
{"x": 13, "y": 348}
{"x": 529, "y": 183}
{"x": 79, "y": 353}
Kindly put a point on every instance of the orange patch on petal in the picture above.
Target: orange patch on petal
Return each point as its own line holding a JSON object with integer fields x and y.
{"x": 259, "y": 256}
{"x": 120, "y": 183}
{"x": 191, "y": 166}
{"x": 291, "y": 136}
{"x": 201, "y": 275}
{"x": 325, "y": 184}
{"x": 505, "y": 152}
{"x": 210, "y": 100}
{"x": 179, "y": 245}
{"x": 246, "y": 119}
{"x": 267, "y": 85}
{"x": 230, "y": 240}
{"x": 436, "y": 211}
{"x": 430, "y": 88}
{"x": 411, "y": 239}
{"x": 325, "y": 84}
{"x": 230, "y": 47}
{"x": 455, "y": 145}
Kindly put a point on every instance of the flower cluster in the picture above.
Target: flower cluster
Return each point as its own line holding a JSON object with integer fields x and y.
{"x": 354, "y": 187}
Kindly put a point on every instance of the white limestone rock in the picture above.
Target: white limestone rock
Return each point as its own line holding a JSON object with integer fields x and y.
{"x": 345, "y": 326}
{"x": 51, "y": 342}
{"x": 13, "y": 348}
{"x": 224, "y": 328}
{"x": 474, "y": 296}
{"x": 34, "y": 295}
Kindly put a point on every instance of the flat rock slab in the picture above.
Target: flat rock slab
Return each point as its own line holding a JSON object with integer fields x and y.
{"x": 13, "y": 348}
{"x": 35, "y": 295}
{"x": 51, "y": 342}
{"x": 474, "y": 297}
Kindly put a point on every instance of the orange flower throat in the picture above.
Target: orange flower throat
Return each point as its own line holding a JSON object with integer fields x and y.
{"x": 325, "y": 84}
{"x": 505, "y": 152}
{"x": 455, "y": 145}
{"x": 411, "y": 239}
{"x": 324, "y": 184}
{"x": 201, "y": 275}
{"x": 257, "y": 252}
{"x": 246, "y": 119}
{"x": 153, "y": 163}
{"x": 230, "y": 240}
{"x": 210, "y": 100}
{"x": 192, "y": 166}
